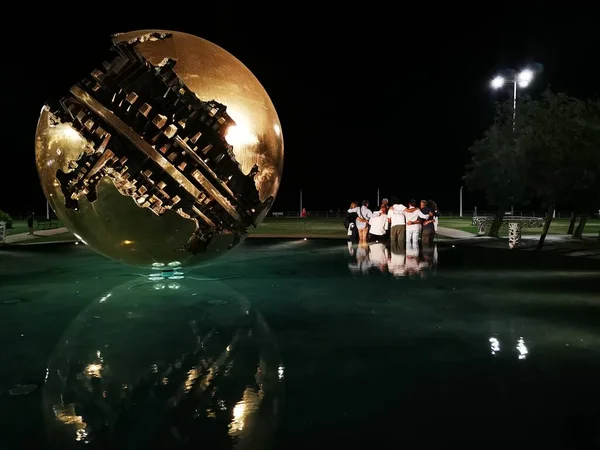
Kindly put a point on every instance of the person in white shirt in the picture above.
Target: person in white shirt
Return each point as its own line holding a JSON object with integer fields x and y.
{"x": 413, "y": 225}
{"x": 378, "y": 226}
{"x": 362, "y": 223}
{"x": 397, "y": 222}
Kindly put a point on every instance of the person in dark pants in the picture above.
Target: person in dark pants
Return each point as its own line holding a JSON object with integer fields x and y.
{"x": 397, "y": 223}
{"x": 385, "y": 206}
{"x": 436, "y": 215}
{"x": 30, "y": 220}
{"x": 428, "y": 229}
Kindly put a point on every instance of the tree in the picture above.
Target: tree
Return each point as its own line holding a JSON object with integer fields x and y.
{"x": 561, "y": 142}
{"x": 550, "y": 154}
{"x": 572, "y": 222}
{"x": 552, "y": 142}
{"x": 497, "y": 166}
{"x": 585, "y": 190}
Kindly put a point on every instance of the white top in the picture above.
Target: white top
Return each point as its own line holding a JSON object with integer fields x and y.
{"x": 379, "y": 224}
{"x": 396, "y": 215}
{"x": 365, "y": 213}
{"x": 413, "y": 216}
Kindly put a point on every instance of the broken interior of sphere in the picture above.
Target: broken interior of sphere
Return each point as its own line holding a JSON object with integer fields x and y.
{"x": 159, "y": 144}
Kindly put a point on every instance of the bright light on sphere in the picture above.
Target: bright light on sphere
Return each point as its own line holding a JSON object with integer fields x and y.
{"x": 240, "y": 135}
{"x": 498, "y": 82}
{"x": 68, "y": 132}
{"x": 525, "y": 77}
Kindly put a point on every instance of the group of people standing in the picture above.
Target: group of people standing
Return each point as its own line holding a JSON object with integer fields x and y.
{"x": 393, "y": 221}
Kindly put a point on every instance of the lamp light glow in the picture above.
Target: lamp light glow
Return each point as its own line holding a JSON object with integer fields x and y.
{"x": 498, "y": 82}
{"x": 525, "y": 77}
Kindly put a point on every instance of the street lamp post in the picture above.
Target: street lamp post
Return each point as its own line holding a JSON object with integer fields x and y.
{"x": 521, "y": 79}
{"x": 460, "y": 213}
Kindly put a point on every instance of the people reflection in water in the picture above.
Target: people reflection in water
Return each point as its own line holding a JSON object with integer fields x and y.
{"x": 397, "y": 260}
{"x": 378, "y": 255}
{"x": 360, "y": 263}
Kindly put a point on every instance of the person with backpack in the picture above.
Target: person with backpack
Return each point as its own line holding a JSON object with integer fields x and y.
{"x": 350, "y": 222}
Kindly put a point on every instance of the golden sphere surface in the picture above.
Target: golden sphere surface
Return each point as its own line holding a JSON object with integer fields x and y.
{"x": 129, "y": 225}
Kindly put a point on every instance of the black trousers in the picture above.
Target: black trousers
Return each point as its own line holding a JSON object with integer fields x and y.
{"x": 427, "y": 235}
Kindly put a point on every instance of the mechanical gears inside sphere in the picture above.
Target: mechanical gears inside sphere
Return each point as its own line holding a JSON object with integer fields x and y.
{"x": 167, "y": 153}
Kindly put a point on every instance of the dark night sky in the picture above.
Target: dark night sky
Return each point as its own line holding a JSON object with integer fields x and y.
{"x": 388, "y": 99}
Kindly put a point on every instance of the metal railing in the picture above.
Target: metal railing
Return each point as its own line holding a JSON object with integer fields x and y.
{"x": 22, "y": 217}
{"x": 341, "y": 214}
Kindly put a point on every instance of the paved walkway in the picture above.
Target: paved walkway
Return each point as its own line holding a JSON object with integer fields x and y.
{"x": 22, "y": 237}
{"x": 455, "y": 234}
{"x": 531, "y": 240}
{"x": 555, "y": 243}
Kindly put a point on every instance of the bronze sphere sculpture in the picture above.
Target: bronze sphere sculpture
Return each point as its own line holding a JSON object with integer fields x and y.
{"x": 165, "y": 155}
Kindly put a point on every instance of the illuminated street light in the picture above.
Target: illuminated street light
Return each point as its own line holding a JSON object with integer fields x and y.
{"x": 498, "y": 82}
{"x": 525, "y": 78}
{"x": 522, "y": 79}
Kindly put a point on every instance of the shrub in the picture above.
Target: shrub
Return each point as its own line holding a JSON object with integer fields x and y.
{"x": 5, "y": 217}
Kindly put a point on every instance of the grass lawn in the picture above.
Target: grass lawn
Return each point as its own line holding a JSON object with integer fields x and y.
{"x": 20, "y": 226}
{"x": 335, "y": 226}
{"x": 326, "y": 226}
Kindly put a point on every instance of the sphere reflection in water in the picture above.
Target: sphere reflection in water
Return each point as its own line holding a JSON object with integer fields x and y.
{"x": 169, "y": 152}
{"x": 165, "y": 364}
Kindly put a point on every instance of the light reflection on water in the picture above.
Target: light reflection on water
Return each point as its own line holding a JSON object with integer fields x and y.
{"x": 521, "y": 349}
{"x": 393, "y": 259}
{"x": 175, "y": 367}
{"x": 243, "y": 410}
